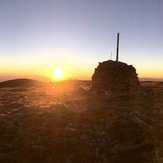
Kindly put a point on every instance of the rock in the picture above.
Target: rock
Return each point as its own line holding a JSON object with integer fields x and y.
{"x": 84, "y": 137}
{"x": 108, "y": 93}
{"x": 16, "y": 110}
{"x": 69, "y": 158}
{"x": 36, "y": 153}
{"x": 2, "y": 115}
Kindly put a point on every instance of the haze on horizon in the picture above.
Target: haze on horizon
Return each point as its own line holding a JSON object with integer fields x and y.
{"x": 38, "y": 36}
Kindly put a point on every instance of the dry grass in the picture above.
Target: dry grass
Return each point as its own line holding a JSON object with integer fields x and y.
{"x": 75, "y": 126}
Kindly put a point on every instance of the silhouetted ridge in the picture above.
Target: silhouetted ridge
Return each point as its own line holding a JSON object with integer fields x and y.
{"x": 21, "y": 83}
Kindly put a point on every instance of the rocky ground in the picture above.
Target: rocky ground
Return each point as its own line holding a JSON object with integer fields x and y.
{"x": 50, "y": 125}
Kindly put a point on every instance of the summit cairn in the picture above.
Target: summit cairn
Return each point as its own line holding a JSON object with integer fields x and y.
{"x": 115, "y": 77}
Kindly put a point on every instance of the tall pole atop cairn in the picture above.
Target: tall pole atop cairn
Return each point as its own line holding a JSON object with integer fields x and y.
{"x": 117, "y": 47}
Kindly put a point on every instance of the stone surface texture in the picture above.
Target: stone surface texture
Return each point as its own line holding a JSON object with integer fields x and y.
{"x": 115, "y": 76}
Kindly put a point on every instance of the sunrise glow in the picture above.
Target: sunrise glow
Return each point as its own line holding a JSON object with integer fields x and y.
{"x": 34, "y": 43}
{"x": 58, "y": 73}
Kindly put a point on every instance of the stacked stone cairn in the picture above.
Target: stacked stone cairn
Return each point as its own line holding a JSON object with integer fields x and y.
{"x": 115, "y": 77}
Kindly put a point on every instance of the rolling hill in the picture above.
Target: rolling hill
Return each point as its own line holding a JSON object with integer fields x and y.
{"x": 21, "y": 83}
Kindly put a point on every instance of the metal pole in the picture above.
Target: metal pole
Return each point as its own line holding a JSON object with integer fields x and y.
{"x": 111, "y": 56}
{"x": 117, "y": 47}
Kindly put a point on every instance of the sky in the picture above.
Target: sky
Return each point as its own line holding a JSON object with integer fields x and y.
{"x": 37, "y": 36}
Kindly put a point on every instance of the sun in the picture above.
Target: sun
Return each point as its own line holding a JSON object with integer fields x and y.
{"x": 58, "y": 73}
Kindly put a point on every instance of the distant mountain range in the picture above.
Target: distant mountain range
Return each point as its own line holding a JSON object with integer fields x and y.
{"x": 21, "y": 83}
{"x": 151, "y": 79}
{"x": 33, "y": 80}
